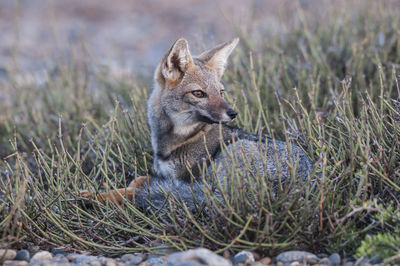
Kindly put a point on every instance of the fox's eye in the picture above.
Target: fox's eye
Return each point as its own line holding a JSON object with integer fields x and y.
{"x": 199, "y": 94}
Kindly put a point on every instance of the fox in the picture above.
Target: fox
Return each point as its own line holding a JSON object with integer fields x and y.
{"x": 188, "y": 117}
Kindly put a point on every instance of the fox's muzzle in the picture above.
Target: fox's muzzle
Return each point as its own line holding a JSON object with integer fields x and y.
{"x": 231, "y": 113}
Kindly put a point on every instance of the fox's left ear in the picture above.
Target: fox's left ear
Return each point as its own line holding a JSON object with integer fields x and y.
{"x": 174, "y": 63}
{"x": 217, "y": 57}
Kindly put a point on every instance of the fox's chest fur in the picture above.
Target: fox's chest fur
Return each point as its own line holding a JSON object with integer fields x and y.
{"x": 179, "y": 152}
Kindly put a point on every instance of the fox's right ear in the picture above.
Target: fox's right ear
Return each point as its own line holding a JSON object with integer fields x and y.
{"x": 217, "y": 57}
{"x": 174, "y": 64}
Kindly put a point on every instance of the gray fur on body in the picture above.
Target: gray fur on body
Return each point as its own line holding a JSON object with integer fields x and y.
{"x": 273, "y": 161}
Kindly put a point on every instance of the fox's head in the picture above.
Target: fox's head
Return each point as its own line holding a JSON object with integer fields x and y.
{"x": 190, "y": 88}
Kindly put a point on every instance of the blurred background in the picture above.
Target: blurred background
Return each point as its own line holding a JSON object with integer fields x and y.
{"x": 129, "y": 34}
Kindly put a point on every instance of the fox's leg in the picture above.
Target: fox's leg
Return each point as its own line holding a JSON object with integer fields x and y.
{"x": 118, "y": 194}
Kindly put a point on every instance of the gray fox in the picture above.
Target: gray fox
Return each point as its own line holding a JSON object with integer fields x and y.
{"x": 187, "y": 115}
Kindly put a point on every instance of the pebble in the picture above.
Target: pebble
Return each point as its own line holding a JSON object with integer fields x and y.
{"x": 136, "y": 260}
{"x": 127, "y": 257}
{"x": 23, "y": 254}
{"x": 335, "y": 259}
{"x": 243, "y": 257}
{"x": 206, "y": 256}
{"x": 257, "y": 263}
{"x": 56, "y": 251}
{"x": 297, "y": 256}
{"x": 34, "y": 249}
{"x": 191, "y": 263}
{"x": 108, "y": 261}
{"x": 88, "y": 260}
{"x": 72, "y": 256}
{"x": 325, "y": 261}
{"x": 193, "y": 257}
{"x": 156, "y": 261}
{"x": 265, "y": 261}
{"x": 15, "y": 263}
{"x": 7, "y": 254}
{"x": 44, "y": 262}
{"x": 60, "y": 259}
{"x": 42, "y": 255}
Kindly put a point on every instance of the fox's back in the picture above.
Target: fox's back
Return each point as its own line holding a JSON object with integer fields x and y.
{"x": 262, "y": 157}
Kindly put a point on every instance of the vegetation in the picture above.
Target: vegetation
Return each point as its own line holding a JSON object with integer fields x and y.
{"x": 329, "y": 82}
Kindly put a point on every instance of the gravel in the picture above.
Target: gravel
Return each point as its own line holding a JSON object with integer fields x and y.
{"x": 193, "y": 257}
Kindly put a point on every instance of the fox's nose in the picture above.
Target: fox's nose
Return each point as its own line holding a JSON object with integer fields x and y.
{"x": 231, "y": 113}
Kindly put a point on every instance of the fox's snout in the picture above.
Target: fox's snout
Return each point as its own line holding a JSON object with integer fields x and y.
{"x": 231, "y": 113}
{"x": 218, "y": 110}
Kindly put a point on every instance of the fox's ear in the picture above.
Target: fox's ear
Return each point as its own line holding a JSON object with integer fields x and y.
{"x": 174, "y": 63}
{"x": 217, "y": 57}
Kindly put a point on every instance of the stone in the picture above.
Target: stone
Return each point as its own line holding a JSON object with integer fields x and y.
{"x": 57, "y": 251}
{"x": 44, "y": 262}
{"x": 42, "y": 255}
{"x": 107, "y": 261}
{"x": 325, "y": 261}
{"x": 7, "y": 254}
{"x": 88, "y": 260}
{"x": 34, "y": 249}
{"x": 200, "y": 255}
{"x": 127, "y": 257}
{"x": 191, "y": 263}
{"x": 15, "y": 263}
{"x": 72, "y": 256}
{"x": 257, "y": 263}
{"x": 23, "y": 254}
{"x": 335, "y": 259}
{"x": 153, "y": 261}
{"x": 243, "y": 257}
{"x": 135, "y": 260}
{"x": 265, "y": 261}
{"x": 300, "y": 256}
{"x": 60, "y": 260}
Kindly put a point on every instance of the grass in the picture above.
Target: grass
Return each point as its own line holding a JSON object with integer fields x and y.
{"x": 328, "y": 81}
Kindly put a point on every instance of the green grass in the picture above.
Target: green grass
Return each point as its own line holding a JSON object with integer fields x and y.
{"x": 328, "y": 81}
